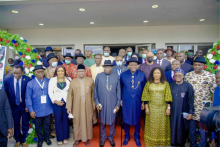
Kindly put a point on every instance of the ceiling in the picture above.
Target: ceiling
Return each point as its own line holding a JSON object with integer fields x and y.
{"x": 106, "y": 13}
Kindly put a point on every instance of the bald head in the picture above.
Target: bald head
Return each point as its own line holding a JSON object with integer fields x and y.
{"x": 181, "y": 57}
{"x": 119, "y": 58}
{"x": 150, "y": 54}
{"x": 175, "y": 64}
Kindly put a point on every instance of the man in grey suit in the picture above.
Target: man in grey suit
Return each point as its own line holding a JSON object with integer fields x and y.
{"x": 6, "y": 121}
{"x": 119, "y": 68}
{"x": 165, "y": 64}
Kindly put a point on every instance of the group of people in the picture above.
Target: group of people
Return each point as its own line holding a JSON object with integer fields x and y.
{"x": 167, "y": 92}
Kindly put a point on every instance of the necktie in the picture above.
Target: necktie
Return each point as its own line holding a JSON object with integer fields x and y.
{"x": 174, "y": 76}
{"x": 17, "y": 93}
{"x": 159, "y": 62}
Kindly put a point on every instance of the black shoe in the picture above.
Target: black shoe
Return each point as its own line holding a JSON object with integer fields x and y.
{"x": 138, "y": 143}
{"x": 39, "y": 144}
{"x": 112, "y": 143}
{"x": 95, "y": 124}
{"x": 125, "y": 142}
{"x": 102, "y": 143}
{"x": 48, "y": 142}
{"x": 52, "y": 137}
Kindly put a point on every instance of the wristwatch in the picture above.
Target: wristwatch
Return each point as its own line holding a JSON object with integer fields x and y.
{"x": 168, "y": 108}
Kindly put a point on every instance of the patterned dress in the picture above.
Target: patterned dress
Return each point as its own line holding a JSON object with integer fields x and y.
{"x": 157, "y": 126}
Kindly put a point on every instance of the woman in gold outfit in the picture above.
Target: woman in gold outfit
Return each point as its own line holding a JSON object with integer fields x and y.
{"x": 157, "y": 98}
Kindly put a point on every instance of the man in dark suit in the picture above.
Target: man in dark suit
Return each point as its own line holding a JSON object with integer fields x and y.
{"x": 15, "y": 88}
{"x": 144, "y": 57}
{"x": 165, "y": 64}
{"x": 6, "y": 121}
{"x": 170, "y": 74}
{"x": 129, "y": 52}
{"x": 184, "y": 66}
{"x": 77, "y": 51}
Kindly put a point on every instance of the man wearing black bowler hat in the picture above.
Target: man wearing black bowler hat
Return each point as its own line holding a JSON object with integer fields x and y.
{"x": 69, "y": 66}
{"x": 132, "y": 84}
{"x": 39, "y": 104}
{"x": 107, "y": 95}
{"x": 47, "y": 51}
{"x": 203, "y": 84}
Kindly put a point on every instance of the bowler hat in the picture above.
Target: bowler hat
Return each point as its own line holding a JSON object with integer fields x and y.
{"x": 48, "y": 49}
{"x": 50, "y": 56}
{"x": 80, "y": 55}
{"x": 107, "y": 63}
{"x": 68, "y": 55}
{"x": 38, "y": 67}
{"x": 200, "y": 59}
{"x": 133, "y": 59}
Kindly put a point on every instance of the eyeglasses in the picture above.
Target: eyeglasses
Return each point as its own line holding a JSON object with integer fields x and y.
{"x": 199, "y": 52}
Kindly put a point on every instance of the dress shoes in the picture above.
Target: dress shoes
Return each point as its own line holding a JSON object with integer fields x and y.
{"x": 112, "y": 143}
{"x": 40, "y": 144}
{"x": 17, "y": 144}
{"x": 24, "y": 144}
{"x": 48, "y": 141}
{"x": 125, "y": 142}
{"x": 102, "y": 143}
{"x": 138, "y": 143}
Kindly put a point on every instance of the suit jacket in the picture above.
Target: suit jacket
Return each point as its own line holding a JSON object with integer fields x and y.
{"x": 6, "y": 121}
{"x": 74, "y": 61}
{"x": 45, "y": 63}
{"x": 168, "y": 76}
{"x": 166, "y": 65}
{"x": 10, "y": 91}
{"x": 93, "y": 70}
{"x": 114, "y": 69}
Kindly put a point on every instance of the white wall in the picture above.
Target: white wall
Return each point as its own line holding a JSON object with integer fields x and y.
{"x": 118, "y": 35}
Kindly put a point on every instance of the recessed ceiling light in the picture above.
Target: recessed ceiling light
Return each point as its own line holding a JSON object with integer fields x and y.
{"x": 202, "y": 20}
{"x": 14, "y": 11}
{"x": 82, "y": 9}
{"x": 154, "y": 6}
{"x": 145, "y": 21}
{"x": 92, "y": 23}
{"x": 41, "y": 24}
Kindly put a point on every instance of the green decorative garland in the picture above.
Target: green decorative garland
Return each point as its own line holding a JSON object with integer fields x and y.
{"x": 213, "y": 58}
{"x": 28, "y": 54}
{"x": 30, "y": 58}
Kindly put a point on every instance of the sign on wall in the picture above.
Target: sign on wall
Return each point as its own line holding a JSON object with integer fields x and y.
{"x": 69, "y": 50}
{"x": 95, "y": 49}
{"x": 2, "y": 63}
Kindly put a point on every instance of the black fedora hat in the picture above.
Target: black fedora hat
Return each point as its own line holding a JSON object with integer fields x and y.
{"x": 38, "y": 67}
{"x": 68, "y": 55}
{"x": 80, "y": 55}
{"x": 50, "y": 56}
{"x": 107, "y": 63}
{"x": 133, "y": 59}
{"x": 200, "y": 59}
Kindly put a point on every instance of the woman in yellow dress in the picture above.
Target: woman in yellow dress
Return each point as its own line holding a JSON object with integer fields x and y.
{"x": 157, "y": 98}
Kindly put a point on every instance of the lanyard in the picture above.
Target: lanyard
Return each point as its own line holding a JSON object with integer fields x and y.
{"x": 119, "y": 72}
{"x": 42, "y": 86}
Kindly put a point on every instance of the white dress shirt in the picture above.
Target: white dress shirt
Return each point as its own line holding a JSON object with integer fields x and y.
{"x": 172, "y": 74}
{"x": 15, "y": 82}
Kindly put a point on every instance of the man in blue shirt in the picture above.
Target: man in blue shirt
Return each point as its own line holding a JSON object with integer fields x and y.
{"x": 39, "y": 104}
